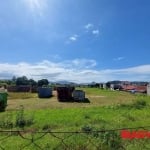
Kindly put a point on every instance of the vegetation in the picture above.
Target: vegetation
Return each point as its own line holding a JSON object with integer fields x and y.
{"x": 107, "y": 110}
{"x": 43, "y": 82}
{"x": 18, "y": 81}
{"x": 24, "y": 81}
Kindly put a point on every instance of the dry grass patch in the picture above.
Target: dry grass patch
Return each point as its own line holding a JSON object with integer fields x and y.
{"x": 96, "y": 97}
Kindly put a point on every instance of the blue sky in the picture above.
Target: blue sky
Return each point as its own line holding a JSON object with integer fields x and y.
{"x": 75, "y": 40}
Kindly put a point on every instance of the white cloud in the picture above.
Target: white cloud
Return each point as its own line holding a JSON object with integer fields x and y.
{"x": 73, "y": 38}
{"x": 78, "y": 70}
{"x": 79, "y": 64}
{"x": 118, "y": 58}
{"x": 88, "y": 26}
{"x": 84, "y": 63}
{"x": 95, "y": 32}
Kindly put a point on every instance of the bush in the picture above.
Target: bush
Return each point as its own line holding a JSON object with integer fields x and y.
{"x": 107, "y": 140}
{"x": 86, "y": 128}
{"x": 22, "y": 120}
{"x": 111, "y": 140}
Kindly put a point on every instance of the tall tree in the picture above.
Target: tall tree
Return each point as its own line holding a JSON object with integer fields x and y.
{"x": 22, "y": 81}
{"x": 32, "y": 82}
{"x": 43, "y": 82}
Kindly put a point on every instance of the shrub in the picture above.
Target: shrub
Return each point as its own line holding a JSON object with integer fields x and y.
{"x": 22, "y": 120}
{"x": 111, "y": 140}
{"x": 86, "y": 128}
{"x": 107, "y": 140}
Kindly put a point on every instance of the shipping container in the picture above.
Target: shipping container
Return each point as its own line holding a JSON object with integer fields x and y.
{"x": 44, "y": 92}
{"x": 64, "y": 93}
{"x": 79, "y": 95}
{"x": 3, "y": 100}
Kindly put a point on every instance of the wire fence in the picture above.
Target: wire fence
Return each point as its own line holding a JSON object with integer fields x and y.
{"x": 117, "y": 139}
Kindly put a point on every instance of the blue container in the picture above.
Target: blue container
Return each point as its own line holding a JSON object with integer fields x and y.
{"x": 44, "y": 92}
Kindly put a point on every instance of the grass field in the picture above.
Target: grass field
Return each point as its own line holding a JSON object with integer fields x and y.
{"x": 105, "y": 110}
{"x": 96, "y": 97}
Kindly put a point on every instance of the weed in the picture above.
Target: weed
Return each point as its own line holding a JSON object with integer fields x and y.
{"x": 107, "y": 139}
{"x": 6, "y": 122}
{"x": 124, "y": 106}
{"x": 87, "y": 117}
{"x": 111, "y": 140}
{"x": 139, "y": 104}
{"x": 21, "y": 120}
{"x": 86, "y": 128}
{"x": 129, "y": 117}
{"x": 46, "y": 127}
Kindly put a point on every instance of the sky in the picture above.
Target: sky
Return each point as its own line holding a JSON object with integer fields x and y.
{"x": 75, "y": 40}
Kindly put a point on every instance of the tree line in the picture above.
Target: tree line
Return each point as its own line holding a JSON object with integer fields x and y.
{"x": 24, "y": 81}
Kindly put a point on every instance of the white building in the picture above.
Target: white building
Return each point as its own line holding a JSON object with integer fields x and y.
{"x": 148, "y": 89}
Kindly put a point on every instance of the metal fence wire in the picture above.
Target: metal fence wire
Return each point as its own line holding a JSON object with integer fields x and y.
{"x": 116, "y": 139}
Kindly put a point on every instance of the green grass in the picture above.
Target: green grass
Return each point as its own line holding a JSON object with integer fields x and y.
{"x": 106, "y": 110}
{"x": 96, "y": 97}
{"x": 69, "y": 119}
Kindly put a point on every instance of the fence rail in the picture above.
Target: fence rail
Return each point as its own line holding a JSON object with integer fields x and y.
{"x": 77, "y": 140}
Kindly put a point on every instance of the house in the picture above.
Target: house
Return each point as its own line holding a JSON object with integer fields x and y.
{"x": 135, "y": 88}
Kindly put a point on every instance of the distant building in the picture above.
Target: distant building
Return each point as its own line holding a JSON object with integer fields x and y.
{"x": 112, "y": 86}
{"x": 104, "y": 85}
{"x": 148, "y": 89}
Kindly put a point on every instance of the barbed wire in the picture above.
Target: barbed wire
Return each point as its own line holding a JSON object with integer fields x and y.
{"x": 72, "y": 140}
